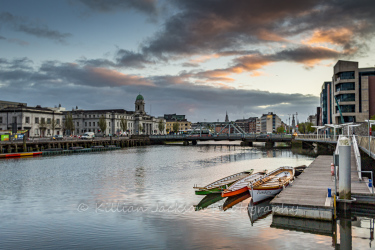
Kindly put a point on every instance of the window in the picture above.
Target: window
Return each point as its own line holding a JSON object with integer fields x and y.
{"x": 58, "y": 121}
{"x": 117, "y": 124}
{"x": 37, "y": 120}
{"x": 346, "y": 98}
{"x": 347, "y": 75}
{"x": 109, "y": 123}
{"x": 48, "y": 131}
{"x": 89, "y": 124}
{"x": 77, "y": 131}
{"x": 42, "y": 120}
{"x": 77, "y": 124}
{"x": 93, "y": 124}
{"x": 89, "y": 116}
{"x": 27, "y": 120}
{"x": 1, "y": 119}
{"x": 36, "y": 131}
{"x": 48, "y": 120}
{"x": 85, "y": 124}
{"x": 346, "y": 109}
{"x": 345, "y": 86}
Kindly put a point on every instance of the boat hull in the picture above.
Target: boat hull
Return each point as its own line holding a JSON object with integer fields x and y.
{"x": 259, "y": 195}
{"x": 209, "y": 191}
{"x": 235, "y": 192}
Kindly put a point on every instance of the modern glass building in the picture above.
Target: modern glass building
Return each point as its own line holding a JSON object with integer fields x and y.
{"x": 325, "y": 103}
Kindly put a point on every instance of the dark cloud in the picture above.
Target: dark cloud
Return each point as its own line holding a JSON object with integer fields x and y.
{"x": 98, "y": 88}
{"x": 2, "y": 38}
{"x": 17, "y": 63}
{"x": 214, "y": 26}
{"x": 146, "y": 6}
{"x": 32, "y": 28}
{"x": 126, "y": 58}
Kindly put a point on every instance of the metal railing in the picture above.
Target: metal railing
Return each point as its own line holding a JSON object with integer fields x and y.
{"x": 222, "y": 136}
{"x": 315, "y": 137}
{"x": 357, "y": 156}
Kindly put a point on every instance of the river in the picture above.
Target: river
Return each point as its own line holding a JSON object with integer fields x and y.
{"x": 143, "y": 197}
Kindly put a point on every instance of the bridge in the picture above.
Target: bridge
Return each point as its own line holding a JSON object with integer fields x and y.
{"x": 247, "y": 139}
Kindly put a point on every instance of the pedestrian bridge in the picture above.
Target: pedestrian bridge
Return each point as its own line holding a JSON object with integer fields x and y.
{"x": 223, "y": 137}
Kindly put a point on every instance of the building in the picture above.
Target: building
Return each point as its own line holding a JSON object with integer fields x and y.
{"x": 35, "y": 121}
{"x": 325, "y": 103}
{"x": 269, "y": 122}
{"x": 6, "y": 104}
{"x": 135, "y": 122}
{"x": 183, "y": 123}
{"x": 353, "y": 92}
{"x": 258, "y": 126}
{"x": 247, "y": 125}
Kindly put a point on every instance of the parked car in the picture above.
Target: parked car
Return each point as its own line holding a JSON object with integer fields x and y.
{"x": 88, "y": 135}
{"x": 57, "y": 137}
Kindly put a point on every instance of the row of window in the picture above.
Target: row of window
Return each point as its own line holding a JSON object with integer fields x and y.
{"x": 109, "y": 124}
{"x": 345, "y": 86}
{"x": 346, "y": 109}
{"x": 27, "y": 120}
{"x": 98, "y": 116}
{"x": 346, "y": 98}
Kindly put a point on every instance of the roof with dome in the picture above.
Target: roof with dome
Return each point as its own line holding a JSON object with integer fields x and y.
{"x": 139, "y": 97}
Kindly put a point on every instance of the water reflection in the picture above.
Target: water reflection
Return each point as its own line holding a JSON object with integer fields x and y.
{"x": 259, "y": 211}
{"x": 349, "y": 231}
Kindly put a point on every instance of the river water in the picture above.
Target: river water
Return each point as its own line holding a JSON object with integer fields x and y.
{"x": 143, "y": 197}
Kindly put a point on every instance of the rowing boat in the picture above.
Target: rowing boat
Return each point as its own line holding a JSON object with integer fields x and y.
{"x": 271, "y": 184}
{"x": 234, "y": 200}
{"x": 241, "y": 186}
{"x": 219, "y": 185}
{"x": 208, "y": 200}
{"x": 298, "y": 170}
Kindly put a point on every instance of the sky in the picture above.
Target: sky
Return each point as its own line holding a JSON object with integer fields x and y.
{"x": 200, "y": 58}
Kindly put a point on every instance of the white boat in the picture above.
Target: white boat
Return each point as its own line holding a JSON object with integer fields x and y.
{"x": 271, "y": 184}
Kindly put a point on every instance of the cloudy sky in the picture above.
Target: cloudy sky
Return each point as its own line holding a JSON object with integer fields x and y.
{"x": 200, "y": 58}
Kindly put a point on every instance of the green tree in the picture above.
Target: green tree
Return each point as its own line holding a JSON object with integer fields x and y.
{"x": 102, "y": 124}
{"x": 280, "y": 130}
{"x": 161, "y": 126}
{"x": 309, "y": 128}
{"x": 123, "y": 124}
{"x": 140, "y": 129}
{"x": 42, "y": 126}
{"x": 301, "y": 128}
{"x": 68, "y": 124}
{"x": 175, "y": 127}
{"x": 167, "y": 130}
{"x": 54, "y": 125}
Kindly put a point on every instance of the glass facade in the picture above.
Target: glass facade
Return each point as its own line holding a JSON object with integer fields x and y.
{"x": 325, "y": 103}
{"x": 345, "y": 86}
{"x": 347, "y": 75}
{"x": 346, "y": 109}
{"x": 346, "y": 98}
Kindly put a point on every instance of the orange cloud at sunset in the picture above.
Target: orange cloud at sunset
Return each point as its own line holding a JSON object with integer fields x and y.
{"x": 118, "y": 78}
{"x": 339, "y": 36}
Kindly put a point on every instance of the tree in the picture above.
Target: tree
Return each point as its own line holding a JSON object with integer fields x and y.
{"x": 167, "y": 130}
{"x": 68, "y": 123}
{"x": 54, "y": 125}
{"x": 123, "y": 124}
{"x": 161, "y": 126}
{"x": 280, "y": 130}
{"x": 42, "y": 126}
{"x": 175, "y": 127}
{"x": 301, "y": 128}
{"x": 140, "y": 129}
{"x": 102, "y": 124}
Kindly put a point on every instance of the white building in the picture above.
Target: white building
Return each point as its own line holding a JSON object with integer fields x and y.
{"x": 138, "y": 122}
{"x": 36, "y": 121}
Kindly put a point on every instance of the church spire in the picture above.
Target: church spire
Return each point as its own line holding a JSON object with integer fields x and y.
{"x": 226, "y": 116}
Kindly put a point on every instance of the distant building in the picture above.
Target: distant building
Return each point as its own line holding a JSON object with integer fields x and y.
{"x": 312, "y": 119}
{"x": 247, "y": 125}
{"x": 6, "y": 104}
{"x": 269, "y": 122}
{"x": 354, "y": 89}
{"x": 258, "y": 126}
{"x": 36, "y": 121}
{"x": 137, "y": 122}
{"x": 326, "y": 103}
{"x": 183, "y": 123}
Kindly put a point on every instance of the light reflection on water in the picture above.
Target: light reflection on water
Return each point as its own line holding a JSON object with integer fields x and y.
{"x": 138, "y": 197}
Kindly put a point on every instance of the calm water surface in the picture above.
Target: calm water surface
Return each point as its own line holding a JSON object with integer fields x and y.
{"x": 142, "y": 198}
